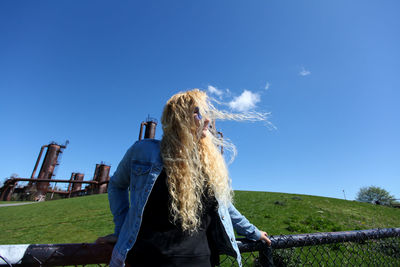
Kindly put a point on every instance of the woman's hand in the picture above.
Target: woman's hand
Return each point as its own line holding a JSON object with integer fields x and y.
{"x": 111, "y": 238}
{"x": 264, "y": 237}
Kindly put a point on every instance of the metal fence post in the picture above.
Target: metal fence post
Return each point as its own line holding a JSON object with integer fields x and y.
{"x": 265, "y": 257}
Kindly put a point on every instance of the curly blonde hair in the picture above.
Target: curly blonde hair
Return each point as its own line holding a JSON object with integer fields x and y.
{"x": 194, "y": 164}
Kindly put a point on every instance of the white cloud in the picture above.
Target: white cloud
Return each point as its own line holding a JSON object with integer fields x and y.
{"x": 247, "y": 100}
{"x": 214, "y": 90}
{"x": 304, "y": 72}
{"x": 267, "y": 85}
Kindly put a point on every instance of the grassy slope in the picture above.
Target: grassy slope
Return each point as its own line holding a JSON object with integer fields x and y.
{"x": 279, "y": 213}
{"x": 84, "y": 219}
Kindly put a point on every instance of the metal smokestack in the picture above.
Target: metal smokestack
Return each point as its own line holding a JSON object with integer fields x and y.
{"x": 150, "y": 131}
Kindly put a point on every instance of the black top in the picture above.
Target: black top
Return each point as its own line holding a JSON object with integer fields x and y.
{"x": 162, "y": 243}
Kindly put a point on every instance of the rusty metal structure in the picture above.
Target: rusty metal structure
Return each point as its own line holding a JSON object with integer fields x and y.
{"x": 70, "y": 183}
{"x": 46, "y": 172}
{"x": 102, "y": 176}
{"x": 39, "y": 187}
{"x": 150, "y": 131}
{"x": 77, "y": 178}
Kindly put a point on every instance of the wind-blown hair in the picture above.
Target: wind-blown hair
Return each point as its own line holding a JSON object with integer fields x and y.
{"x": 194, "y": 165}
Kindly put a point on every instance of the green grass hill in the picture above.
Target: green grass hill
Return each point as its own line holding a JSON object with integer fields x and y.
{"x": 83, "y": 219}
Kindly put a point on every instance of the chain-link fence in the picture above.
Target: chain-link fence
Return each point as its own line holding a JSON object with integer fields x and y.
{"x": 375, "y": 247}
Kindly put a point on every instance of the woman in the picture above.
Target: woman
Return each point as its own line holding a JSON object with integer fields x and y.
{"x": 180, "y": 211}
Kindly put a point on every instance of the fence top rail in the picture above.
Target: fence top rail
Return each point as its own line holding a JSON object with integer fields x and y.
{"x": 300, "y": 240}
{"x": 83, "y": 253}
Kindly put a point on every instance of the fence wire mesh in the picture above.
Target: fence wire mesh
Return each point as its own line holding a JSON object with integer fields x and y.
{"x": 375, "y": 247}
{"x": 380, "y": 252}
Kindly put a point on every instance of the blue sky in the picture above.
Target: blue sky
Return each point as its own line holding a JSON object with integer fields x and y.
{"x": 91, "y": 71}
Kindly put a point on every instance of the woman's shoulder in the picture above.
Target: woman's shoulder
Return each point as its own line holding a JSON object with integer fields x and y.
{"x": 147, "y": 143}
{"x": 146, "y": 150}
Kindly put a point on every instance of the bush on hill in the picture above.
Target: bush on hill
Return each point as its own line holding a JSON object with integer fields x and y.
{"x": 375, "y": 195}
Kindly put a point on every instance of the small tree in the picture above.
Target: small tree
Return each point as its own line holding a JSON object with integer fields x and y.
{"x": 375, "y": 195}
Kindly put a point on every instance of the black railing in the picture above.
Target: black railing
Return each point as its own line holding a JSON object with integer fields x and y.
{"x": 375, "y": 247}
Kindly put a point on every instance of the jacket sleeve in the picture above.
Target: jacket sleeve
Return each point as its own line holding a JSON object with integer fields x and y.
{"x": 118, "y": 196}
{"x": 242, "y": 226}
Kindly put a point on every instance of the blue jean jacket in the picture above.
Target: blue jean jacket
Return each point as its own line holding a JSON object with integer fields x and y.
{"x": 137, "y": 172}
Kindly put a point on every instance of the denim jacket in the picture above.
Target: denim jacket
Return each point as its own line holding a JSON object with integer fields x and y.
{"x": 137, "y": 172}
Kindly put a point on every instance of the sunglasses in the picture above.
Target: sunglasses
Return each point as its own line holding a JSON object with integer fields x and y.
{"x": 198, "y": 114}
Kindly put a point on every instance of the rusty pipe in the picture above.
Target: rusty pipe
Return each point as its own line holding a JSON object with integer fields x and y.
{"x": 150, "y": 131}
{"x": 102, "y": 178}
{"x": 37, "y": 161}
{"x": 70, "y": 179}
{"x": 56, "y": 181}
{"x": 70, "y": 185}
{"x": 141, "y": 130}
